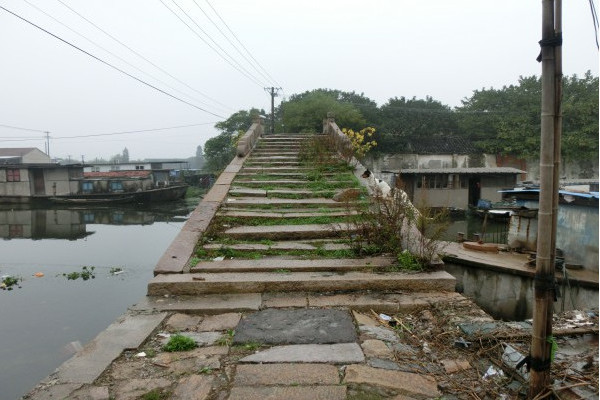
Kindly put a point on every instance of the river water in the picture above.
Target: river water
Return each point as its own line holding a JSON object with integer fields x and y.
{"x": 45, "y": 320}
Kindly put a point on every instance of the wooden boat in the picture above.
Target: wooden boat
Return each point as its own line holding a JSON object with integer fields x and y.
{"x": 168, "y": 193}
{"x": 480, "y": 246}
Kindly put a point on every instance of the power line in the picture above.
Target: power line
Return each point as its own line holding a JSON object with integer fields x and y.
{"x": 141, "y": 56}
{"x": 595, "y": 22}
{"x": 110, "y": 65}
{"x": 134, "y": 131}
{"x": 231, "y": 42}
{"x": 22, "y": 129}
{"x": 247, "y": 75}
{"x": 113, "y": 54}
{"x": 241, "y": 44}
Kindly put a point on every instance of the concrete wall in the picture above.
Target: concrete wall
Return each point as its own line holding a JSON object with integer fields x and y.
{"x": 396, "y": 162}
{"x": 575, "y": 169}
{"x": 57, "y": 182}
{"x": 21, "y": 188}
{"x": 510, "y": 297}
{"x": 35, "y": 157}
{"x": 457, "y": 198}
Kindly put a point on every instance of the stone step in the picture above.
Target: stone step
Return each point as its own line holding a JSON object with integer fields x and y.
{"x": 271, "y": 163}
{"x": 285, "y": 245}
{"x": 303, "y": 194}
{"x": 277, "y": 264}
{"x": 257, "y": 158}
{"x": 289, "y": 182}
{"x": 279, "y": 173}
{"x": 269, "y": 153}
{"x": 249, "y": 202}
{"x": 289, "y": 232}
{"x": 261, "y": 282}
{"x": 282, "y": 214}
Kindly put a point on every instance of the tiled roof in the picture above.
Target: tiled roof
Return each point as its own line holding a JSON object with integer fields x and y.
{"x": 118, "y": 174}
{"x": 484, "y": 170}
{"x": 442, "y": 145}
{"x": 15, "y": 151}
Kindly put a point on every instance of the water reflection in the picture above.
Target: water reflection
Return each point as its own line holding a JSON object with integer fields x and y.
{"x": 71, "y": 223}
{"x": 51, "y": 313}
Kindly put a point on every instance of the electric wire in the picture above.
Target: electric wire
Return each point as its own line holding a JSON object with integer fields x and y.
{"x": 21, "y": 128}
{"x": 141, "y": 56}
{"x": 110, "y": 65}
{"x": 232, "y": 43}
{"x": 241, "y": 44}
{"x": 114, "y": 55}
{"x": 252, "y": 79}
{"x": 133, "y": 131}
{"x": 595, "y": 21}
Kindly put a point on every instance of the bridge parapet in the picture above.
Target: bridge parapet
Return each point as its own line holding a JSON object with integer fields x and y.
{"x": 249, "y": 139}
{"x": 341, "y": 142}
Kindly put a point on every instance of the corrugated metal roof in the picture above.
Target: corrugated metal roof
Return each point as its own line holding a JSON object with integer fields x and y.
{"x": 442, "y": 145}
{"x": 15, "y": 151}
{"x": 483, "y": 170}
{"x": 118, "y": 174}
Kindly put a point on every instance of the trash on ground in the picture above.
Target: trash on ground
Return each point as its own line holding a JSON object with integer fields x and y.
{"x": 461, "y": 342}
{"x": 220, "y": 258}
{"x": 493, "y": 371}
{"x": 38, "y": 274}
{"x": 141, "y": 354}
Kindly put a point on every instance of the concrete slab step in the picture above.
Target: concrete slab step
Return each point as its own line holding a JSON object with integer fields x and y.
{"x": 277, "y": 264}
{"x": 281, "y": 214}
{"x": 272, "y": 163}
{"x": 290, "y": 183}
{"x": 254, "y": 158}
{"x": 249, "y": 202}
{"x": 289, "y": 232}
{"x": 261, "y": 282}
{"x": 285, "y": 245}
{"x": 251, "y": 192}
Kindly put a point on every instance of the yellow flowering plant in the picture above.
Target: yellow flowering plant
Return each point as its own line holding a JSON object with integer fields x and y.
{"x": 360, "y": 141}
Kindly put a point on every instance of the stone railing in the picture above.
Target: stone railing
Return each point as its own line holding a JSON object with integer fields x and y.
{"x": 249, "y": 139}
{"x": 340, "y": 141}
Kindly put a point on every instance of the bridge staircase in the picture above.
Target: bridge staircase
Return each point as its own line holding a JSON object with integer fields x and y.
{"x": 277, "y": 238}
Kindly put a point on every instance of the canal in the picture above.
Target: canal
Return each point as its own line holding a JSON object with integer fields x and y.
{"x": 45, "y": 319}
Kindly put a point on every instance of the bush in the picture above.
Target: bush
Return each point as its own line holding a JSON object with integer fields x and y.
{"x": 180, "y": 343}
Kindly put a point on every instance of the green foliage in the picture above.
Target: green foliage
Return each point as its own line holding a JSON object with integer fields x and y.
{"x": 156, "y": 394}
{"x": 305, "y": 112}
{"x": 85, "y": 274}
{"x": 180, "y": 343}
{"x": 402, "y": 120}
{"x": 507, "y": 121}
{"x": 227, "y": 338}
{"x": 408, "y": 262}
{"x": 9, "y": 281}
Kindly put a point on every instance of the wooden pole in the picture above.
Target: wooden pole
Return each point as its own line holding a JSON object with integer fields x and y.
{"x": 544, "y": 277}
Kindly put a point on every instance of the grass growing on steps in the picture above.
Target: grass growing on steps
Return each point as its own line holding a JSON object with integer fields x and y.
{"x": 258, "y": 221}
{"x": 229, "y": 253}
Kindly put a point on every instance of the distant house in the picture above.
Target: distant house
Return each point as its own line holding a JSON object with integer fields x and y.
{"x": 27, "y": 173}
{"x": 144, "y": 165}
{"x": 447, "y": 172}
{"x": 123, "y": 181}
{"x": 456, "y": 187}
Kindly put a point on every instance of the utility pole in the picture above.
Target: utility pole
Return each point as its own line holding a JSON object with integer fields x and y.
{"x": 47, "y": 143}
{"x": 273, "y": 92}
{"x": 544, "y": 289}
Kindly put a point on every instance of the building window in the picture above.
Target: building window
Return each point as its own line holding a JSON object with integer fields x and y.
{"x": 95, "y": 169}
{"x": 116, "y": 186}
{"x": 87, "y": 187}
{"x": 13, "y": 175}
{"x": 139, "y": 167}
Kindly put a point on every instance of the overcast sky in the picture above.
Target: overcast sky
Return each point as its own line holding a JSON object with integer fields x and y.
{"x": 382, "y": 48}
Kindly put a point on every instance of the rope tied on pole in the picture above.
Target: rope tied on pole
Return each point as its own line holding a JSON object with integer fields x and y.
{"x": 554, "y": 41}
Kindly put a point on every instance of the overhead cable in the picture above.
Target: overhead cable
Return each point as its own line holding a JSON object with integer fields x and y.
{"x": 241, "y": 44}
{"x": 240, "y": 70}
{"x": 113, "y": 54}
{"x": 110, "y": 65}
{"x": 21, "y": 129}
{"x": 135, "y": 131}
{"x": 233, "y": 44}
{"x": 142, "y": 57}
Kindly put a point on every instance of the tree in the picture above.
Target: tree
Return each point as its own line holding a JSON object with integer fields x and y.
{"x": 305, "y": 112}
{"x": 125, "y": 155}
{"x": 402, "y": 120}
{"x": 220, "y": 150}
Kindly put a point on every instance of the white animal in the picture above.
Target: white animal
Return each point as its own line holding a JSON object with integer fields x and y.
{"x": 380, "y": 188}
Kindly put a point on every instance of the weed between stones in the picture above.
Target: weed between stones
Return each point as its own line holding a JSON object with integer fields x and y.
{"x": 180, "y": 343}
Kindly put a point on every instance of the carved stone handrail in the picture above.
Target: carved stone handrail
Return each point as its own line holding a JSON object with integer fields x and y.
{"x": 249, "y": 139}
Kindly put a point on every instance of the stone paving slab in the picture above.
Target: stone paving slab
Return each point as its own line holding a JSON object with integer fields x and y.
{"x": 284, "y": 300}
{"x": 127, "y": 332}
{"x": 282, "y": 214}
{"x": 286, "y": 374}
{"x": 278, "y": 264}
{"x": 339, "y": 353}
{"x": 298, "y": 326}
{"x": 279, "y": 245}
{"x": 249, "y": 201}
{"x": 289, "y": 232}
{"x": 405, "y": 383}
{"x": 205, "y": 304}
{"x": 248, "y": 192}
{"x": 259, "y": 282}
{"x": 288, "y": 393}
{"x": 193, "y": 387}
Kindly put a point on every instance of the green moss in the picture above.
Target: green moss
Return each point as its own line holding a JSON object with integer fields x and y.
{"x": 180, "y": 343}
